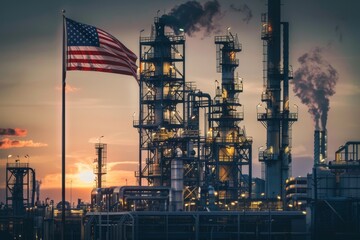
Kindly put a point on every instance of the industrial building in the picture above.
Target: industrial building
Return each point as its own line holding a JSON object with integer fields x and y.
{"x": 191, "y": 145}
{"x": 195, "y": 161}
{"x": 296, "y": 193}
{"x": 215, "y": 156}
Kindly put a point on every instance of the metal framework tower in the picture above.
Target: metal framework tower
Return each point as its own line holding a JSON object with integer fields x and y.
{"x": 229, "y": 166}
{"x": 161, "y": 110}
{"x": 20, "y": 187}
{"x": 100, "y": 167}
{"x": 277, "y": 117}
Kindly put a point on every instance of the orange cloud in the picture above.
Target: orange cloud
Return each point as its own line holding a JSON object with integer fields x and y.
{"x": 8, "y": 143}
{"x": 13, "y": 132}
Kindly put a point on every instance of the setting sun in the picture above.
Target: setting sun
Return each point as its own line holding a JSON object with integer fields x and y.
{"x": 86, "y": 176}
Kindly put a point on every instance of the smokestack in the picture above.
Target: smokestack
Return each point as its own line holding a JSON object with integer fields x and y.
{"x": 320, "y": 147}
{"x": 192, "y": 17}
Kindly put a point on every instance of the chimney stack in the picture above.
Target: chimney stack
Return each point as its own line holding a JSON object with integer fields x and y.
{"x": 320, "y": 147}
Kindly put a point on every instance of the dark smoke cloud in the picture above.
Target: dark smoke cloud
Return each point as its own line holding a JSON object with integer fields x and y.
{"x": 13, "y": 132}
{"x": 314, "y": 82}
{"x": 244, "y": 10}
{"x": 193, "y": 17}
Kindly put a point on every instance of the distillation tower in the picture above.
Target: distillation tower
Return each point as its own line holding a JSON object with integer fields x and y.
{"x": 277, "y": 117}
{"x": 167, "y": 150}
{"x": 162, "y": 81}
{"x": 229, "y": 164}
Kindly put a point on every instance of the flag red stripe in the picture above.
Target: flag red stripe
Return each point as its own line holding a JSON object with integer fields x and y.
{"x": 100, "y": 70}
{"x": 89, "y": 53}
{"x": 111, "y": 38}
{"x": 116, "y": 50}
{"x": 98, "y": 53}
{"x": 99, "y": 65}
{"x": 117, "y": 46}
{"x": 128, "y": 51}
{"x": 95, "y": 61}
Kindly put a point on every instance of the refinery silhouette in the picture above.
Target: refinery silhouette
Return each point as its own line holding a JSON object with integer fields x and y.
{"x": 194, "y": 177}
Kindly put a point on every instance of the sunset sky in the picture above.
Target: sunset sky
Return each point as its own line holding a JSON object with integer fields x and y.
{"x": 103, "y": 104}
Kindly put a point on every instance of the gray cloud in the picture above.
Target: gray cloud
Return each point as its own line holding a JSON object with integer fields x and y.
{"x": 13, "y": 132}
{"x": 244, "y": 10}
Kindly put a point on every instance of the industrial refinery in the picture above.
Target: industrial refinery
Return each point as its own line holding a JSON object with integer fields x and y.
{"x": 195, "y": 158}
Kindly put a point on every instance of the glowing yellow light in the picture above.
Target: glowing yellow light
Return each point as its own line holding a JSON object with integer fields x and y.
{"x": 166, "y": 67}
{"x": 287, "y": 150}
{"x": 224, "y": 93}
{"x": 86, "y": 176}
{"x": 271, "y": 149}
{"x": 230, "y": 151}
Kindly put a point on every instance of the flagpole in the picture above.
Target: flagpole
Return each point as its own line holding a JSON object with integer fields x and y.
{"x": 63, "y": 135}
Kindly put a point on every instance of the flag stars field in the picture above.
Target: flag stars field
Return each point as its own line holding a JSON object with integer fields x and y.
{"x": 92, "y": 49}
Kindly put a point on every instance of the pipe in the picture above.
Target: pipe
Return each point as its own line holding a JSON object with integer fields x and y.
{"x": 199, "y": 95}
{"x": 177, "y": 182}
{"x": 285, "y": 160}
{"x": 33, "y": 187}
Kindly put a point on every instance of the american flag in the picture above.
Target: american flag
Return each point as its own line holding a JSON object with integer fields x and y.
{"x": 92, "y": 49}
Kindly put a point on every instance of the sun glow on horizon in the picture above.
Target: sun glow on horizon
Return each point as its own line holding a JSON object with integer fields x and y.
{"x": 86, "y": 177}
